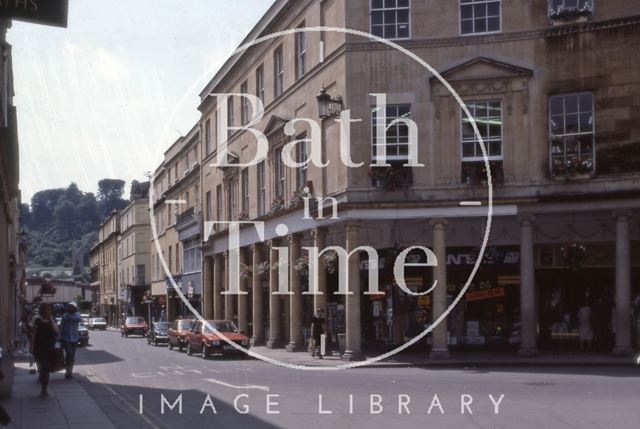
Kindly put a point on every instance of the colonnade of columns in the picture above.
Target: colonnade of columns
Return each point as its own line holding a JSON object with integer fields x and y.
{"x": 290, "y": 333}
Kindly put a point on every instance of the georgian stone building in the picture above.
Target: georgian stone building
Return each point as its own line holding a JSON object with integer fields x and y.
{"x": 176, "y": 211}
{"x": 134, "y": 260}
{"x": 554, "y": 91}
{"x": 107, "y": 249}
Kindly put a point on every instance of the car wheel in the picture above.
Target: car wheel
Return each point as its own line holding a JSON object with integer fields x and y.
{"x": 189, "y": 351}
{"x": 205, "y": 351}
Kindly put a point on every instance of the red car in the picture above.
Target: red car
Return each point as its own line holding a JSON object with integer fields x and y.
{"x": 134, "y": 326}
{"x": 202, "y": 340}
{"x": 178, "y": 333}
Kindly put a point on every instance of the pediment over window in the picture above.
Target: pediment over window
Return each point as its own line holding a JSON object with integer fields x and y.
{"x": 275, "y": 124}
{"x": 482, "y": 68}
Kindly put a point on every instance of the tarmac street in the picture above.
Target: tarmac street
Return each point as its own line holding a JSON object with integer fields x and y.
{"x": 138, "y": 385}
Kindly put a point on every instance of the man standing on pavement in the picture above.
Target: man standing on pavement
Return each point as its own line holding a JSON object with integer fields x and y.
{"x": 317, "y": 329}
{"x": 69, "y": 336}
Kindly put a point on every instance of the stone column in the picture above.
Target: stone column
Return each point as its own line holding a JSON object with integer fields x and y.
{"x": 218, "y": 308}
{"x": 319, "y": 242}
{"x": 207, "y": 288}
{"x": 295, "y": 299}
{"x": 440, "y": 349}
{"x": 528, "y": 316}
{"x": 275, "y": 337}
{"x": 243, "y": 299}
{"x": 257, "y": 339}
{"x": 623, "y": 285}
{"x": 228, "y": 299}
{"x": 353, "y": 350}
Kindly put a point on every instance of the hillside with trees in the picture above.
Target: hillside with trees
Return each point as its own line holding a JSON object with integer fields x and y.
{"x": 62, "y": 224}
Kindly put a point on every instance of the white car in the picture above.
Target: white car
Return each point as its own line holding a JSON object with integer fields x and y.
{"x": 97, "y": 323}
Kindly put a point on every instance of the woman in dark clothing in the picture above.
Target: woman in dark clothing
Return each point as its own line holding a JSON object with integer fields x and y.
{"x": 43, "y": 343}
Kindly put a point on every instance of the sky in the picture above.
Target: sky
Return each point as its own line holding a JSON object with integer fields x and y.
{"x": 106, "y": 96}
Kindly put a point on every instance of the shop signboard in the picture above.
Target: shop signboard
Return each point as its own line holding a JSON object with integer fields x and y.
{"x": 46, "y": 12}
{"x": 479, "y": 295}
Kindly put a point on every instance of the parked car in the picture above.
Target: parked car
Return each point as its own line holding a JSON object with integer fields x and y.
{"x": 85, "y": 318}
{"x": 204, "y": 341}
{"x": 97, "y": 323}
{"x": 158, "y": 334}
{"x": 83, "y": 332}
{"x": 134, "y": 325}
{"x": 83, "y": 335}
{"x": 178, "y": 333}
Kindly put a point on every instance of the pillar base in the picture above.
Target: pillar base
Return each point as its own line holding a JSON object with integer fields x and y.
{"x": 623, "y": 351}
{"x": 293, "y": 347}
{"x": 350, "y": 356}
{"x": 274, "y": 343}
{"x": 528, "y": 352}
{"x": 257, "y": 341}
{"x": 440, "y": 354}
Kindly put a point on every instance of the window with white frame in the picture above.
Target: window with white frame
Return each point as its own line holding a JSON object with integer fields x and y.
{"x": 479, "y": 16}
{"x": 571, "y": 119}
{"x": 244, "y": 185}
{"x": 260, "y": 83}
{"x": 232, "y": 201}
{"x": 279, "y": 176}
{"x": 219, "y": 203}
{"x": 396, "y": 144}
{"x": 262, "y": 189}
{"x": 390, "y": 19}
{"x": 244, "y": 104}
{"x": 207, "y": 136}
{"x": 230, "y": 115}
{"x": 488, "y": 118}
{"x": 278, "y": 66}
{"x": 301, "y": 156}
{"x": 301, "y": 53}
{"x": 191, "y": 256}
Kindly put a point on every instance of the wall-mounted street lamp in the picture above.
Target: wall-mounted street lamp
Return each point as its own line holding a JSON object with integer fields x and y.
{"x": 329, "y": 107}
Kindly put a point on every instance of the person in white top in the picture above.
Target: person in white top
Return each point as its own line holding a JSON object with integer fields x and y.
{"x": 586, "y": 331}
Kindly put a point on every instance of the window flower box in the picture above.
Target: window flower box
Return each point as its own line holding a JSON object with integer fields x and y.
{"x": 391, "y": 178}
{"x": 570, "y": 10}
{"x": 475, "y": 173}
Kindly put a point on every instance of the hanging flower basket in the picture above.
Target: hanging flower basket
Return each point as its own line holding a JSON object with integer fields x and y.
{"x": 262, "y": 268}
{"x": 330, "y": 260}
{"x": 297, "y": 199}
{"x": 243, "y": 216}
{"x": 246, "y": 271}
{"x": 47, "y": 289}
{"x": 572, "y": 255}
{"x": 571, "y": 168}
{"x": 302, "y": 266}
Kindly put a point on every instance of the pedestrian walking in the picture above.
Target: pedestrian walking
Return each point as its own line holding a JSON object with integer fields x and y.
{"x": 317, "y": 329}
{"x": 584, "y": 327}
{"x": 43, "y": 343}
{"x": 69, "y": 336}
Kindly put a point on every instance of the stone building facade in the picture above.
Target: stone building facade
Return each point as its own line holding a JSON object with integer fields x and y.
{"x": 555, "y": 96}
{"x": 134, "y": 260}
{"x": 176, "y": 210}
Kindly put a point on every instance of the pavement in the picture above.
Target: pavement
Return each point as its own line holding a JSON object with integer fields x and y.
{"x": 462, "y": 359}
{"x": 68, "y": 405}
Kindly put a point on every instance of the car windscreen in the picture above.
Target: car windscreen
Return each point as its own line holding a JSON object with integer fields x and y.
{"x": 135, "y": 320}
{"x": 185, "y": 324}
{"x": 162, "y": 326}
{"x": 99, "y": 320}
{"x": 221, "y": 327}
